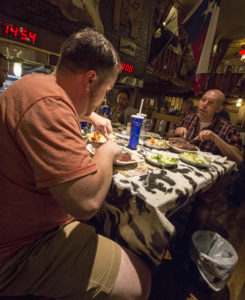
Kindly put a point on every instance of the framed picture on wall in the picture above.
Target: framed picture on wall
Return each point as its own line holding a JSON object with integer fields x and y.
{"x": 241, "y": 69}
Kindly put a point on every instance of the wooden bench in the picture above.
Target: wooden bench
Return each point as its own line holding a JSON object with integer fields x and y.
{"x": 168, "y": 123}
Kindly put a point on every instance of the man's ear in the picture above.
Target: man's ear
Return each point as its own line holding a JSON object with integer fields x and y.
{"x": 88, "y": 79}
{"x": 219, "y": 108}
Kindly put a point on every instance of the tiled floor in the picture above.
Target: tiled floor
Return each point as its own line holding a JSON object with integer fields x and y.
{"x": 179, "y": 279}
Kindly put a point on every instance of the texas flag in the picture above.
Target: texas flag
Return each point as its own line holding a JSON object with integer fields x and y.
{"x": 200, "y": 26}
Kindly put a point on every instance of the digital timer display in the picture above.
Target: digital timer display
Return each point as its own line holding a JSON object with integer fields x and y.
{"x": 126, "y": 68}
{"x": 18, "y": 32}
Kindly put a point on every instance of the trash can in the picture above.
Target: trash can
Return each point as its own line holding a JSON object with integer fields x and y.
{"x": 214, "y": 257}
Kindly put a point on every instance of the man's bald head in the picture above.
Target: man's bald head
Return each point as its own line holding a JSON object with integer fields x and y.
{"x": 219, "y": 96}
{"x": 212, "y": 102}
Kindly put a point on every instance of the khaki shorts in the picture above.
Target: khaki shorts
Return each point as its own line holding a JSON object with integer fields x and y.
{"x": 71, "y": 262}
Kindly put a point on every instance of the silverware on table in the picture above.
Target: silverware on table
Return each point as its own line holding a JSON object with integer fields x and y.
{"x": 146, "y": 181}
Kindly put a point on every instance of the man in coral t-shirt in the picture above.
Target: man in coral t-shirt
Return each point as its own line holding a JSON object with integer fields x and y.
{"x": 48, "y": 181}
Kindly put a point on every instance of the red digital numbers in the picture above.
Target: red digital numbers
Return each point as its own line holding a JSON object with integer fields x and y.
{"x": 18, "y": 32}
{"x": 32, "y": 36}
{"x": 7, "y": 29}
{"x": 126, "y": 68}
{"x": 23, "y": 34}
{"x": 14, "y": 30}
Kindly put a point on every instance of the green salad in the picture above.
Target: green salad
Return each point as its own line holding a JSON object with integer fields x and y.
{"x": 84, "y": 132}
{"x": 194, "y": 157}
{"x": 117, "y": 124}
{"x": 165, "y": 159}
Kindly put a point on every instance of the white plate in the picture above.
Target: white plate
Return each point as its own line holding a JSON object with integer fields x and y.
{"x": 195, "y": 164}
{"x": 102, "y": 139}
{"x": 152, "y": 146}
{"x": 122, "y": 128}
{"x": 122, "y": 136}
{"x": 135, "y": 158}
{"x": 90, "y": 149}
{"x": 182, "y": 150}
{"x": 126, "y": 137}
{"x": 154, "y": 162}
{"x": 124, "y": 163}
{"x": 151, "y": 134}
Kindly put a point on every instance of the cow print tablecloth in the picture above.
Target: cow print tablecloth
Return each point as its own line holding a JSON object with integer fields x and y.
{"x": 170, "y": 189}
{"x": 134, "y": 215}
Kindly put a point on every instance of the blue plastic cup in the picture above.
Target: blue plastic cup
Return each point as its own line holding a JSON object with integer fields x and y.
{"x": 106, "y": 111}
{"x": 136, "y": 123}
{"x": 84, "y": 125}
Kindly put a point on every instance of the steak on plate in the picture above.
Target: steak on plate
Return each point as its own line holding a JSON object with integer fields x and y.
{"x": 182, "y": 143}
{"x": 125, "y": 156}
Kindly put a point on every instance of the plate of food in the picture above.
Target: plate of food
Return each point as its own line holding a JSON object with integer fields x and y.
{"x": 156, "y": 144}
{"x": 126, "y": 158}
{"x": 195, "y": 159}
{"x": 149, "y": 135}
{"x": 180, "y": 144}
{"x": 152, "y": 134}
{"x": 161, "y": 160}
{"x": 96, "y": 137}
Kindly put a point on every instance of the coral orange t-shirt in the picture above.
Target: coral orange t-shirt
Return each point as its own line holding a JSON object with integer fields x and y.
{"x": 40, "y": 146}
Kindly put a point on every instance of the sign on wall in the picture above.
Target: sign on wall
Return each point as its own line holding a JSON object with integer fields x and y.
{"x": 128, "y": 47}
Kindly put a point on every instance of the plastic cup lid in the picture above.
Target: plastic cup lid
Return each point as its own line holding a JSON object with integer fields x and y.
{"x": 137, "y": 117}
{"x": 143, "y": 115}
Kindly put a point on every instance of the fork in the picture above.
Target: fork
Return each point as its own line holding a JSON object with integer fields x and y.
{"x": 146, "y": 181}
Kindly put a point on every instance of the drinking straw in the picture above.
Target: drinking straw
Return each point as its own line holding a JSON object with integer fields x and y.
{"x": 141, "y": 105}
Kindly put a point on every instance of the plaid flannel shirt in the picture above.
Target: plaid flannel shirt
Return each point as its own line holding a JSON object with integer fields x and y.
{"x": 219, "y": 125}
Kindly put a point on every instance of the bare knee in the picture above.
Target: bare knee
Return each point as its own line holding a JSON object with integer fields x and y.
{"x": 133, "y": 279}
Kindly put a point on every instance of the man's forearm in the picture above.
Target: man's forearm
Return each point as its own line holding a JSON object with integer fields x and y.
{"x": 233, "y": 153}
{"x": 88, "y": 118}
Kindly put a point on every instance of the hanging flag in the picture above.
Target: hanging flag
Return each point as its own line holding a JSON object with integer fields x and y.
{"x": 200, "y": 26}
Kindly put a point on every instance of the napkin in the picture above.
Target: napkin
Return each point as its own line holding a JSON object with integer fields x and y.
{"x": 214, "y": 158}
{"x": 220, "y": 159}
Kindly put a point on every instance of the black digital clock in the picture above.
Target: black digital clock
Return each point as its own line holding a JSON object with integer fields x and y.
{"x": 18, "y": 32}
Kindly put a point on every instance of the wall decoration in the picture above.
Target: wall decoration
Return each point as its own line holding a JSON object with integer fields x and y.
{"x": 86, "y": 11}
{"x": 127, "y": 12}
{"x": 229, "y": 69}
{"x": 128, "y": 47}
{"x": 116, "y": 15}
{"x": 131, "y": 13}
{"x": 241, "y": 69}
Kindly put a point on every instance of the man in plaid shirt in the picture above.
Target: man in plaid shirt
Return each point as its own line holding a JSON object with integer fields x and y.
{"x": 209, "y": 131}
